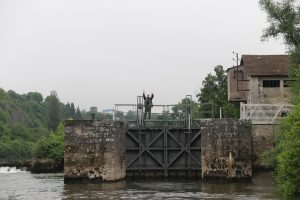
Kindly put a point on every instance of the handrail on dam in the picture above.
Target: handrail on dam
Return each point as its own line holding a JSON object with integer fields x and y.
{"x": 264, "y": 113}
{"x": 183, "y": 115}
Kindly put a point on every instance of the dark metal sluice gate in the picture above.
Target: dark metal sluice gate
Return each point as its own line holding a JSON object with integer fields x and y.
{"x": 163, "y": 152}
{"x": 168, "y": 144}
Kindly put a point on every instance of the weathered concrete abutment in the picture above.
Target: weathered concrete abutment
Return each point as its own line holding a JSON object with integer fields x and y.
{"x": 94, "y": 151}
{"x": 226, "y": 149}
{"x": 262, "y": 141}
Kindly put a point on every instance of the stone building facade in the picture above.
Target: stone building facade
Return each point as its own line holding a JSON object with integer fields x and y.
{"x": 259, "y": 79}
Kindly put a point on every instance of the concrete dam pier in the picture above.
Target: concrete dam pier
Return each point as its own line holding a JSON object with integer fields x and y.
{"x": 94, "y": 151}
{"x": 226, "y": 149}
{"x": 97, "y": 151}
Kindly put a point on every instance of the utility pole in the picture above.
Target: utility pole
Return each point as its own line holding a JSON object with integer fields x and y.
{"x": 237, "y": 69}
{"x": 236, "y": 58}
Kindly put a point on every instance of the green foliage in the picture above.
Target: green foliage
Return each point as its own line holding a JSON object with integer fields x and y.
{"x": 214, "y": 91}
{"x": 4, "y": 98}
{"x": 3, "y": 116}
{"x": 101, "y": 116}
{"x": 35, "y": 96}
{"x": 72, "y": 110}
{"x": 13, "y": 150}
{"x": 287, "y": 151}
{"x": 183, "y": 108}
{"x": 269, "y": 158}
{"x": 77, "y": 114}
{"x": 296, "y": 86}
{"x": 20, "y": 131}
{"x": 119, "y": 115}
{"x": 54, "y": 113}
{"x": 24, "y": 121}
{"x": 51, "y": 147}
{"x": 284, "y": 19}
{"x": 130, "y": 115}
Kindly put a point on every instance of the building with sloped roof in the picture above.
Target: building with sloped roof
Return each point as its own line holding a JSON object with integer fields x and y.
{"x": 259, "y": 79}
{"x": 261, "y": 84}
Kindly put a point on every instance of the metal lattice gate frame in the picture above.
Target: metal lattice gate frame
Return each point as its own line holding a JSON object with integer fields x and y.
{"x": 163, "y": 152}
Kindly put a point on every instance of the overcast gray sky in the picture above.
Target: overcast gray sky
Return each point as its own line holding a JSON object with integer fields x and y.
{"x": 102, "y": 52}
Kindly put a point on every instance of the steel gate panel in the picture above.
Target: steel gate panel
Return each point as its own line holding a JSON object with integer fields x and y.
{"x": 163, "y": 152}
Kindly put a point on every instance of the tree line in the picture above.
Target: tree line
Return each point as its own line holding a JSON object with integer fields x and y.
{"x": 29, "y": 122}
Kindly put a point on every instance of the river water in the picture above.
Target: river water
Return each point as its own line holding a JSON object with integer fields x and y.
{"x": 16, "y": 184}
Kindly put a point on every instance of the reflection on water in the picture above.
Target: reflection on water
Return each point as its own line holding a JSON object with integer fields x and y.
{"x": 50, "y": 186}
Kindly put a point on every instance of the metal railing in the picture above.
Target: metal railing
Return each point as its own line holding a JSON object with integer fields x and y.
{"x": 173, "y": 115}
{"x": 264, "y": 113}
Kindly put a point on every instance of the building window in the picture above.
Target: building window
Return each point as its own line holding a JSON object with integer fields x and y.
{"x": 271, "y": 83}
{"x": 288, "y": 83}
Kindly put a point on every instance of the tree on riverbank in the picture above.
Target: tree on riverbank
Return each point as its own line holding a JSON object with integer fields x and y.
{"x": 54, "y": 112}
{"x": 51, "y": 147}
{"x": 214, "y": 91}
{"x": 284, "y": 21}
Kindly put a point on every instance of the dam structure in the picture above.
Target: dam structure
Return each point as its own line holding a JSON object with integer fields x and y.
{"x": 182, "y": 140}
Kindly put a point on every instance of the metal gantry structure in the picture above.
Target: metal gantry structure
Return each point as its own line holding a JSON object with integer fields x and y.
{"x": 168, "y": 144}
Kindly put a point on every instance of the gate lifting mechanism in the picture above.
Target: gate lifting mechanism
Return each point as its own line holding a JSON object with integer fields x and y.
{"x": 183, "y": 115}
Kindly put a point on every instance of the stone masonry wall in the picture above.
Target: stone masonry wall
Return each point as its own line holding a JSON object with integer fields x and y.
{"x": 262, "y": 141}
{"x": 226, "y": 149}
{"x": 94, "y": 151}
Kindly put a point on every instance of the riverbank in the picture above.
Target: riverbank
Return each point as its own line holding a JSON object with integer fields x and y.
{"x": 36, "y": 165}
{"x": 47, "y": 166}
{"x": 21, "y": 164}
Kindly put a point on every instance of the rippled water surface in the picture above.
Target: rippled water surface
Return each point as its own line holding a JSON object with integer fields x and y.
{"x": 23, "y": 185}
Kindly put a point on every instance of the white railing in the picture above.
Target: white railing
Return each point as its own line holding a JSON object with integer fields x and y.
{"x": 264, "y": 113}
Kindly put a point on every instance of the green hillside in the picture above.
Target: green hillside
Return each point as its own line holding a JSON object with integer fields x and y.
{"x": 27, "y": 118}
